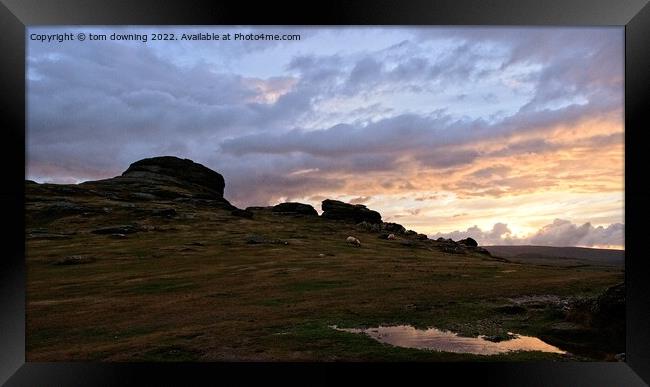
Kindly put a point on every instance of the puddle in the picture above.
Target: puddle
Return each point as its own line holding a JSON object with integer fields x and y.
{"x": 438, "y": 340}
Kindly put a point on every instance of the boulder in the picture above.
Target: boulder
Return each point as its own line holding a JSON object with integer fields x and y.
{"x": 337, "y": 210}
{"x": 468, "y": 242}
{"x": 295, "y": 209}
{"x": 452, "y": 249}
{"x": 610, "y": 306}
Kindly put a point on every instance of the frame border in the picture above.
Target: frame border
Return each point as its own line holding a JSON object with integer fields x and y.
{"x": 17, "y": 15}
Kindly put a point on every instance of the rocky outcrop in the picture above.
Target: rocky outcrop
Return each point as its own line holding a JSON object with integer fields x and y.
{"x": 393, "y": 228}
{"x": 383, "y": 227}
{"x": 139, "y": 190}
{"x": 185, "y": 171}
{"x": 468, "y": 242}
{"x": 609, "y": 308}
{"x": 292, "y": 208}
{"x": 357, "y": 213}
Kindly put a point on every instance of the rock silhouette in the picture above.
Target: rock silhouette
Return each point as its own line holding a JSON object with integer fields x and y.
{"x": 295, "y": 208}
{"x": 175, "y": 170}
{"x": 357, "y": 213}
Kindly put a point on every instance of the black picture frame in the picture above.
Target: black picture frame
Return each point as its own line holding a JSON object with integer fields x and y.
{"x": 16, "y": 15}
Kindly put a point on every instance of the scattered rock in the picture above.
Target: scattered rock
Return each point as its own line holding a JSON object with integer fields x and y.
{"x": 255, "y": 239}
{"x": 164, "y": 212}
{"x": 293, "y": 208}
{"x": 391, "y": 237}
{"x": 451, "y": 249}
{"x": 61, "y": 209}
{"x": 371, "y": 227}
{"x": 74, "y": 260}
{"x": 334, "y": 209}
{"x": 385, "y": 227}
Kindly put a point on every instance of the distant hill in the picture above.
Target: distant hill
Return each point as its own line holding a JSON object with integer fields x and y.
{"x": 569, "y": 256}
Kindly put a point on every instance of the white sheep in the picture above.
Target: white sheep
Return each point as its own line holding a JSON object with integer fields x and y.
{"x": 353, "y": 241}
{"x": 391, "y": 236}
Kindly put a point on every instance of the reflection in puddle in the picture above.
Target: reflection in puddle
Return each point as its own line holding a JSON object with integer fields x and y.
{"x": 437, "y": 340}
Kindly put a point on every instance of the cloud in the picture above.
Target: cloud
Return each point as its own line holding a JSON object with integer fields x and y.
{"x": 411, "y": 132}
{"x": 565, "y": 233}
{"x": 559, "y": 233}
{"x": 497, "y": 170}
{"x": 360, "y": 200}
{"x": 449, "y": 115}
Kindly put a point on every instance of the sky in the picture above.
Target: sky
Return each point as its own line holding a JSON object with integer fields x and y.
{"x": 506, "y": 135}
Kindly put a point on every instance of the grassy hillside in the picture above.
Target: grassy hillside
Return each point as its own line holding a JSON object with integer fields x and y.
{"x": 199, "y": 283}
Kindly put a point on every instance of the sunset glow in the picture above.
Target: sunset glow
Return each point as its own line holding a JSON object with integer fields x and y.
{"x": 507, "y": 135}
